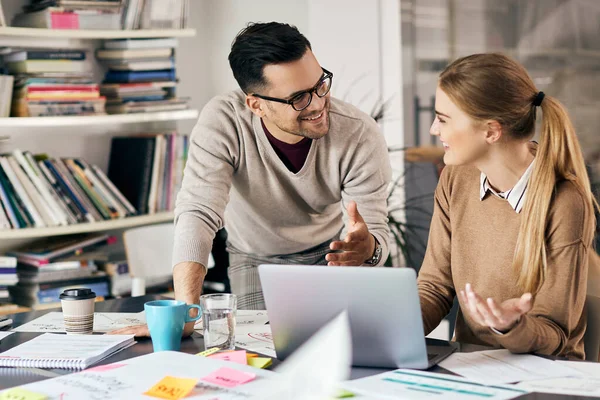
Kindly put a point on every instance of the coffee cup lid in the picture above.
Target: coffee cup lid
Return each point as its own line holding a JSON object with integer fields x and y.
{"x": 77, "y": 294}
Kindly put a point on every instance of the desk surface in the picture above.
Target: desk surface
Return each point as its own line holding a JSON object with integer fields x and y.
{"x": 10, "y": 377}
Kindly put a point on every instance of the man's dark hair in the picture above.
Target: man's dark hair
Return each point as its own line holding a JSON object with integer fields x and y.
{"x": 261, "y": 44}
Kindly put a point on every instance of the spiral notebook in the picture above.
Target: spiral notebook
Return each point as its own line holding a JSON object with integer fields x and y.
{"x": 64, "y": 351}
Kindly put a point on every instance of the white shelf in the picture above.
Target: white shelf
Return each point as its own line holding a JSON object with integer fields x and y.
{"x": 48, "y": 122}
{"x": 130, "y": 222}
{"x": 94, "y": 34}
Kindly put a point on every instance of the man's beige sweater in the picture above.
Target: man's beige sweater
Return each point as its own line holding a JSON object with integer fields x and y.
{"x": 234, "y": 178}
{"x": 473, "y": 241}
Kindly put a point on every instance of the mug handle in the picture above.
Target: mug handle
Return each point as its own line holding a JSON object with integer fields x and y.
{"x": 187, "y": 313}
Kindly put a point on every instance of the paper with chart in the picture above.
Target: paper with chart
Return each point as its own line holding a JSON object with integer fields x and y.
{"x": 586, "y": 385}
{"x": 243, "y": 319}
{"x": 251, "y": 331}
{"x": 129, "y": 379}
{"x": 257, "y": 338}
{"x": 410, "y": 384}
{"x": 103, "y": 322}
{"x": 502, "y": 366}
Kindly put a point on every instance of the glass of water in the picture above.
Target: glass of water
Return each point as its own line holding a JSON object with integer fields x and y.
{"x": 218, "y": 317}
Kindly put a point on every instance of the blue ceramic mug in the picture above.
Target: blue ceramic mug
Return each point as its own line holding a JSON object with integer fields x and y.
{"x": 165, "y": 319}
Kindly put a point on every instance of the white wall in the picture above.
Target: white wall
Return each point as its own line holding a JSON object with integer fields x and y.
{"x": 202, "y": 61}
{"x": 357, "y": 40}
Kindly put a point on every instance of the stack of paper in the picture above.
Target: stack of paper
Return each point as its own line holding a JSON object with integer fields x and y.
{"x": 587, "y": 384}
{"x": 502, "y": 366}
{"x": 410, "y": 384}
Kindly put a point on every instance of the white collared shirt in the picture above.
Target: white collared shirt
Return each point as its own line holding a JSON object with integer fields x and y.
{"x": 515, "y": 196}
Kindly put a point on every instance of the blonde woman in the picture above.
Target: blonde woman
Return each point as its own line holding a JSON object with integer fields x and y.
{"x": 513, "y": 220}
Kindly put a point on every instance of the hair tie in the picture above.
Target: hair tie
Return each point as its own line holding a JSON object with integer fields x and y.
{"x": 538, "y": 99}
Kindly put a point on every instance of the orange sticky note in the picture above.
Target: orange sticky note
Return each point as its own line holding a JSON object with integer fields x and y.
{"x": 228, "y": 377}
{"x": 233, "y": 356}
{"x": 172, "y": 388}
{"x": 250, "y": 355}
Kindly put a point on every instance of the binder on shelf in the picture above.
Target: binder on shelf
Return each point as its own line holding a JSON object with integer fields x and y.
{"x": 140, "y": 76}
{"x": 45, "y": 55}
{"x": 162, "y": 43}
{"x": 133, "y": 54}
{"x": 130, "y": 168}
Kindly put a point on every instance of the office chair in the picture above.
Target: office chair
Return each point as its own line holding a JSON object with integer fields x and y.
{"x": 591, "y": 338}
{"x": 149, "y": 252}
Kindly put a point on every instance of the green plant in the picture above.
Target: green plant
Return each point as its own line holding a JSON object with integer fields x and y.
{"x": 406, "y": 236}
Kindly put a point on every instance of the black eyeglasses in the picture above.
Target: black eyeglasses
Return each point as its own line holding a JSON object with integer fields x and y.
{"x": 303, "y": 99}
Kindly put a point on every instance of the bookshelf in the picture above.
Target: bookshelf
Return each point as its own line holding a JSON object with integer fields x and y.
{"x": 39, "y": 122}
{"x": 124, "y": 223}
{"x": 16, "y": 32}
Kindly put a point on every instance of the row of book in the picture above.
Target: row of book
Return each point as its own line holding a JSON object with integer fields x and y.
{"x": 37, "y": 191}
{"x": 48, "y": 267}
{"x": 141, "y": 76}
{"x": 148, "y": 169}
{"x": 104, "y": 14}
{"x": 8, "y": 278}
{"x": 53, "y": 82}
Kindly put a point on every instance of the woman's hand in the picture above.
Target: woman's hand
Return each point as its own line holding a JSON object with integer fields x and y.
{"x": 502, "y": 317}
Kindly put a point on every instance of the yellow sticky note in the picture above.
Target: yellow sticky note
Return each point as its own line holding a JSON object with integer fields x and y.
{"x": 21, "y": 394}
{"x": 172, "y": 388}
{"x": 250, "y": 355}
{"x": 344, "y": 394}
{"x": 259, "y": 362}
{"x": 208, "y": 352}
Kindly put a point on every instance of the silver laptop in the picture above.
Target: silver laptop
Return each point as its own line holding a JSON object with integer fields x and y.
{"x": 382, "y": 303}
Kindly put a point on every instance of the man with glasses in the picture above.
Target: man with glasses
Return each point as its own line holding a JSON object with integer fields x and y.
{"x": 276, "y": 163}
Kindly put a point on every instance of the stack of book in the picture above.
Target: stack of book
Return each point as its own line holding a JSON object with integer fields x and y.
{"x": 48, "y": 267}
{"x": 36, "y": 191}
{"x": 8, "y": 278}
{"x": 148, "y": 169}
{"x": 71, "y": 14}
{"x": 141, "y": 76}
{"x": 53, "y": 82}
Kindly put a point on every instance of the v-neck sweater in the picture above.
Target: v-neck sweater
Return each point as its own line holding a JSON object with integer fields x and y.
{"x": 234, "y": 178}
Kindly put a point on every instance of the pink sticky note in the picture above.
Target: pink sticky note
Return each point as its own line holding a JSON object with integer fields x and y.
{"x": 229, "y": 377}
{"x": 233, "y": 356}
{"x": 104, "y": 368}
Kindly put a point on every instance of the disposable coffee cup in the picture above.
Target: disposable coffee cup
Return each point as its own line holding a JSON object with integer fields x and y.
{"x": 78, "y": 311}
